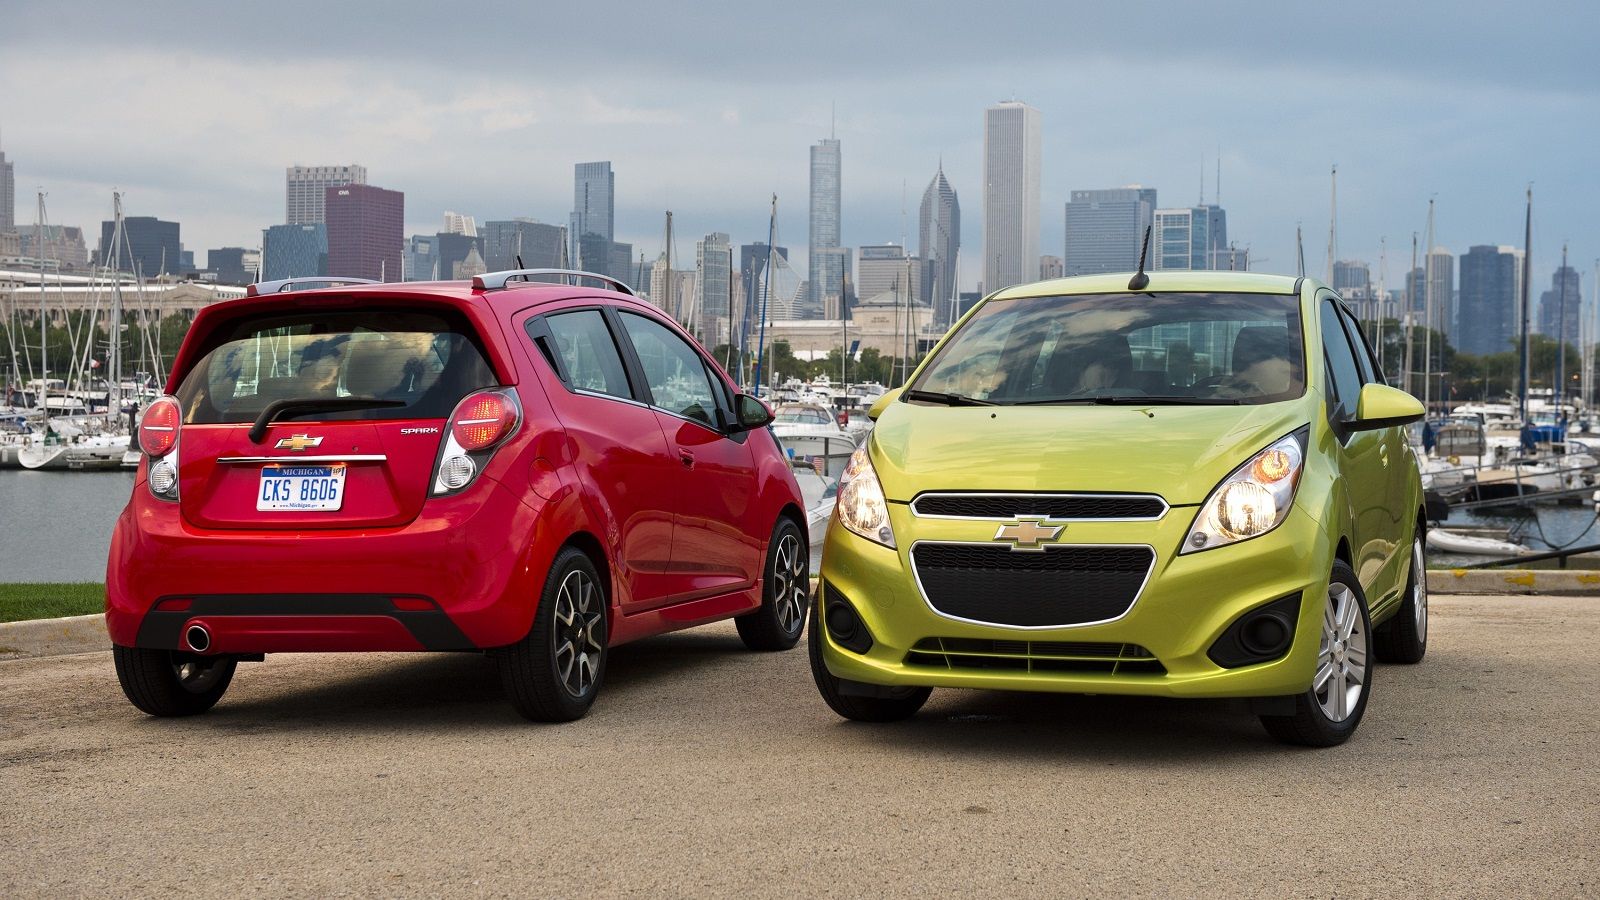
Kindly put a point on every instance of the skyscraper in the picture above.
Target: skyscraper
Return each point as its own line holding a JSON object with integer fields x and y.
{"x": 541, "y": 246}
{"x": 594, "y": 214}
{"x": 421, "y": 258}
{"x": 456, "y": 223}
{"x": 938, "y": 240}
{"x": 293, "y": 251}
{"x": 1556, "y": 306}
{"x": 1351, "y": 275}
{"x": 1190, "y": 238}
{"x": 1489, "y": 282}
{"x": 1051, "y": 267}
{"x": 8, "y": 194}
{"x": 365, "y": 232}
{"x": 148, "y": 243}
{"x": 1105, "y": 229}
{"x": 885, "y": 268}
{"x": 825, "y": 263}
{"x": 305, "y": 190}
{"x": 1011, "y": 174}
{"x": 1441, "y": 286}
{"x": 713, "y": 259}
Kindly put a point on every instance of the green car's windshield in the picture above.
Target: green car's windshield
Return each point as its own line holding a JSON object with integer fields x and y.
{"x": 1189, "y": 349}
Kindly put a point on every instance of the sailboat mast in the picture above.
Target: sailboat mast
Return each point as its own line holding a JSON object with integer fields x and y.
{"x": 766, "y": 295}
{"x": 666, "y": 298}
{"x": 1411, "y": 302}
{"x": 114, "y": 370}
{"x": 1427, "y": 315}
{"x": 1333, "y": 223}
{"x": 44, "y": 322}
{"x": 1527, "y": 276}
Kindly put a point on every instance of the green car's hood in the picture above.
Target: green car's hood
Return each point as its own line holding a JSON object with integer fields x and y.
{"x": 1179, "y": 452}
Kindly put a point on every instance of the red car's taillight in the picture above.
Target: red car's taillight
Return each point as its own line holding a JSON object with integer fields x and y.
{"x": 483, "y": 420}
{"x": 480, "y": 423}
{"x": 158, "y": 430}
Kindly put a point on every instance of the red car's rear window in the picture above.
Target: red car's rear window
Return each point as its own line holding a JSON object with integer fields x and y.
{"x": 426, "y": 361}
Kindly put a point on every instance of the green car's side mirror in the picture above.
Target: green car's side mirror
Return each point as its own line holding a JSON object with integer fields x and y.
{"x": 1381, "y": 406}
{"x": 882, "y": 403}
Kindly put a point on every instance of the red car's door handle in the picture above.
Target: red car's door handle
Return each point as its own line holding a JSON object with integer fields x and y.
{"x": 686, "y": 457}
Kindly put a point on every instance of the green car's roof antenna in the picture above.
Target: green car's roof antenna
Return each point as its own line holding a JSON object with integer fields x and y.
{"x": 1140, "y": 280}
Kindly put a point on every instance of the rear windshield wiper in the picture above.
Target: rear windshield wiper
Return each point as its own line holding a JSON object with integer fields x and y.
{"x": 946, "y": 399}
{"x": 313, "y": 404}
{"x": 1138, "y": 401}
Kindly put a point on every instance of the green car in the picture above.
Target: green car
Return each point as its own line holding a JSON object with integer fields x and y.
{"x": 1196, "y": 487}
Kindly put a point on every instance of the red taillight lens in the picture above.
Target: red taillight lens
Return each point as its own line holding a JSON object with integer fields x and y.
{"x": 158, "y": 430}
{"x": 482, "y": 420}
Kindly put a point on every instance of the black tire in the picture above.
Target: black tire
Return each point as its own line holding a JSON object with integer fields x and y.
{"x": 168, "y": 683}
{"x": 785, "y": 592}
{"x": 1404, "y": 638}
{"x": 901, "y": 703}
{"x": 1311, "y": 724}
{"x": 555, "y": 673}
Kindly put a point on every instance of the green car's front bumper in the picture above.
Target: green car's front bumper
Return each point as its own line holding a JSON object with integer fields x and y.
{"x": 1187, "y": 603}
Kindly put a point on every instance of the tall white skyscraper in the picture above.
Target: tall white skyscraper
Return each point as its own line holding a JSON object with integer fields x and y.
{"x": 825, "y": 263}
{"x": 713, "y": 268}
{"x": 306, "y": 186}
{"x": 939, "y": 237}
{"x": 1011, "y": 176}
{"x": 594, "y": 215}
{"x": 456, "y": 223}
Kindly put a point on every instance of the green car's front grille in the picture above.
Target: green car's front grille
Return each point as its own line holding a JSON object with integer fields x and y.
{"x": 1034, "y": 656}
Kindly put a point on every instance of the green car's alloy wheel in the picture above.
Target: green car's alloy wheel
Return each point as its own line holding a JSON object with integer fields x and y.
{"x": 892, "y": 705}
{"x": 167, "y": 683}
{"x": 776, "y": 624}
{"x": 1329, "y": 712}
{"x": 1404, "y": 638}
{"x": 554, "y": 674}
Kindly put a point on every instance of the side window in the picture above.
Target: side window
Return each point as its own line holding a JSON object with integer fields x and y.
{"x": 589, "y": 357}
{"x": 673, "y": 370}
{"x": 1342, "y": 368}
{"x": 1370, "y": 373}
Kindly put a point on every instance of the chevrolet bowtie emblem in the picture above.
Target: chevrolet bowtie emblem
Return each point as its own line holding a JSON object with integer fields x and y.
{"x": 299, "y": 442}
{"x": 1027, "y": 534}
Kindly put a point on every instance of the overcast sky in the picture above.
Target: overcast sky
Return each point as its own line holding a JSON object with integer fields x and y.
{"x": 195, "y": 109}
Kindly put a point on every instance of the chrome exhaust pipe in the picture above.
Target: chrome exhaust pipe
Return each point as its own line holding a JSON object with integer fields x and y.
{"x": 197, "y": 637}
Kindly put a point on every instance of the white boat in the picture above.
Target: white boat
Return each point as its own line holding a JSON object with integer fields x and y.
{"x": 42, "y": 451}
{"x": 1442, "y": 541}
{"x": 821, "y": 494}
{"x": 810, "y": 433}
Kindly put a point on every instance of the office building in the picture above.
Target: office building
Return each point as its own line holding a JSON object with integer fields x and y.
{"x": 456, "y": 223}
{"x": 63, "y": 243}
{"x": 306, "y": 187}
{"x": 421, "y": 260}
{"x": 471, "y": 266}
{"x": 825, "y": 263}
{"x": 594, "y": 213}
{"x": 365, "y": 225}
{"x": 1011, "y": 178}
{"x": 1193, "y": 238}
{"x": 939, "y": 243}
{"x": 541, "y": 246}
{"x": 451, "y": 249}
{"x": 1490, "y": 278}
{"x": 150, "y": 247}
{"x": 886, "y": 269}
{"x": 713, "y": 260}
{"x": 1105, "y": 229}
{"x": 233, "y": 265}
{"x": 1051, "y": 267}
{"x": 622, "y": 265}
{"x": 1560, "y": 307}
{"x": 1351, "y": 276}
{"x": 1441, "y": 289}
{"x": 294, "y": 251}
{"x": 8, "y": 194}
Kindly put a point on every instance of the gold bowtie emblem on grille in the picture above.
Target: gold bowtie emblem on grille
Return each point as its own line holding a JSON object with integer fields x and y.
{"x": 1028, "y": 534}
{"x": 299, "y": 442}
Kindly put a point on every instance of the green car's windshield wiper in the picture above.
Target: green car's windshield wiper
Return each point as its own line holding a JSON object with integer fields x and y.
{"x": 946, "y": 399}
{"x": 1155, "y": 400}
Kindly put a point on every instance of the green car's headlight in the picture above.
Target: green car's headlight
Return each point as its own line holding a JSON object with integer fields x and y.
{"x": 1254, "y": 499}
{"x": 861, "y": 506}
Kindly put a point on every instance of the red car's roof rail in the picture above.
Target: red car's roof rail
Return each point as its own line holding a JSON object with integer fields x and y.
{"x": 496, "y": 280}
{"x": 274, "y": 287}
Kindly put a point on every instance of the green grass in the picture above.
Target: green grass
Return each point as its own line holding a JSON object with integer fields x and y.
{"x": 48, "y": 601}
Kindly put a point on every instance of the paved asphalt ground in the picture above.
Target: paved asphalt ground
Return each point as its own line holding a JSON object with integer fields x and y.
{"x": 708, "y": 770}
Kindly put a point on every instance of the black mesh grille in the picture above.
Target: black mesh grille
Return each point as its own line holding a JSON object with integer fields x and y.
{"x": 1034, "y": 656}
{"x": 1063, "y": 585}
{"x": 1050, "y": 506}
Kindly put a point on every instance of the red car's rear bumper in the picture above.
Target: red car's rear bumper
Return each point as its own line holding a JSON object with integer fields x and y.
{"x": 465, "y": 574}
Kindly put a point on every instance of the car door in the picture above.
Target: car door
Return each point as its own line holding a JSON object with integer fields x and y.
{"x": 1398, "y": 461}
{"x": 1362, "y": 455}
{"x": 716, "y": 547}
{"x": 619, "y": 454}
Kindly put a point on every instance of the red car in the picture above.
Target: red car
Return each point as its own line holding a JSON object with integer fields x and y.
{"x": 536, "y": 471}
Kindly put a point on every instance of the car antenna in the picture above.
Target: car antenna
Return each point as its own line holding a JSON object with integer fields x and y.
{"x": 1140, "y": 280}
{"x": 519, "y": 260}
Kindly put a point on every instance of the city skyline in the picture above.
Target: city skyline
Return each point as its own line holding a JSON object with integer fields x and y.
{"x": 497, "y": 144}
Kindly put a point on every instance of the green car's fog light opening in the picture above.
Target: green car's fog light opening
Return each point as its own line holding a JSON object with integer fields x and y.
{"x": 1261, "y": 635}
{"x": 843, "y": 622}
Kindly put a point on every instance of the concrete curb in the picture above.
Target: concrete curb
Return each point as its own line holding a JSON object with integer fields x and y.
{"x": 1514, "y": 581}
{"x": 53, "y": 637}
